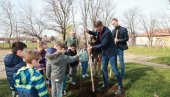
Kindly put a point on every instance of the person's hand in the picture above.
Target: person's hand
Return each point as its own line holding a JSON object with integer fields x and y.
{"x": 87, "y": 30}
{"x": 89, "y": 49}
{"x": 116, "y": 40}
{"x": 78, "y": 53}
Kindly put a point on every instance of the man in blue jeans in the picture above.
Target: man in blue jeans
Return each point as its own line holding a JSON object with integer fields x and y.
{"x": 106, "y": 44}
{"x": 120, "y": 35}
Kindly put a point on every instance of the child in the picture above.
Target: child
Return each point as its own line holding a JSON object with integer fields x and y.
{"x": 13, "y": 62}
{"x": 42, "y": 64}
{"x": 84, "y": 60}
{"x": 73, "y": 66}
{"x": 56, "y": 68}
{"x": 95, "y": 57}
{"x": 28, "y": 81}
{"x": 50, "y": 51}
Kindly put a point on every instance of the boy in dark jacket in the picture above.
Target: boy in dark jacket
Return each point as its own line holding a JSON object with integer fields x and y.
{"x": 29, "y": 82}
{"x": 96, "y": 57}
{"x": 73, "y": 66}
{"x": 13, "y": 62}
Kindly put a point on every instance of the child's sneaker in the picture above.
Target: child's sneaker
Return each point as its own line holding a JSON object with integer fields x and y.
{"x": 64, "y": 93}
{"x": 73, "y": 83}
{"x": 87, "y": 75}
{"x": 83, "y": 76}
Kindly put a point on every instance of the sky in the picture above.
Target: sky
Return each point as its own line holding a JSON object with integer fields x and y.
{"x": 146, "y": 6}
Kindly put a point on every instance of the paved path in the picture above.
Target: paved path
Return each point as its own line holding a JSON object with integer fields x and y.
{"x": 2, "y": 67}
{"x": 143, "y": 60}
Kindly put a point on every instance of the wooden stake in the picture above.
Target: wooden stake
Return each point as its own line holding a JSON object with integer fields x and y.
{"x": 91, "y": 68}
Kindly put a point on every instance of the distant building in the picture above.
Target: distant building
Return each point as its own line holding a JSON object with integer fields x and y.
{"x": 161, "y": 37}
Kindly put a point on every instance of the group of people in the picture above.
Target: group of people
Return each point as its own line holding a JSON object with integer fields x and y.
{"x": 29, "y": 72}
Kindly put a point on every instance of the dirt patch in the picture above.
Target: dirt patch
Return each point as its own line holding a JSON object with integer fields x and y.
{"x": 85, "y": 90}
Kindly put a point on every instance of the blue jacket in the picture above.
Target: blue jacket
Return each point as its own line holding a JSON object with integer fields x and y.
{"x": 84, "y": 57}
{"x": 30, "y": 83}
{"x": 12, "y": 64}
{"x": 106, "y": 43}
{"x": 122, "y": 36}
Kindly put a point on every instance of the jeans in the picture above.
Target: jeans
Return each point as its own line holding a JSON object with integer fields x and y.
{"x": 56, "y": 89}
{"x": 65, "y": 83}
{"x": 14, "y": 94}
{"x": 120, "y": 54}
{"x": 73, "y": 73}
{"x": 113, "y": 62}
{"x": 84, "y": 67}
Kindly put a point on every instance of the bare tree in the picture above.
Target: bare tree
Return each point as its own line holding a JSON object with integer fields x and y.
{"x": 32, "y": 24}
{"x": 95, "y": 9}
{"x": 150, "y": 26}
{"x": 165, "y": 21}
{"x": 9, "y": 18}
{"x": 84, "y": 12}
{"x": 60, "y": 13}
{"x": 131, "y": 21}
{"x": 107, "y": 12}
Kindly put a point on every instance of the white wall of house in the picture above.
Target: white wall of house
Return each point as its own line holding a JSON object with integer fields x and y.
{"x": 157, "y": 41}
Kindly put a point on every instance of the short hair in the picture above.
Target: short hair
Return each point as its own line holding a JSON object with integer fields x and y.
{"x": 115, "y": 19}
{"x": 93, "y": 38}
{"x": 73, "y": 45}
{"x": 98, "y": 23}
{"x": 32, "y": 55}
{"x": 62, "y": 45}
{"x": 18, "y": 46}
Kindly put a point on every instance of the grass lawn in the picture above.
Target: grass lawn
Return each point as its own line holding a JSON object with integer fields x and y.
{"x": 140, "y": 81}
{"x": 149, "y": 51}
{"x": 4, "y": 90}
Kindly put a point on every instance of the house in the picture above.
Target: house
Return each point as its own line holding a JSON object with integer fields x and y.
{"x": 160, "y": 37}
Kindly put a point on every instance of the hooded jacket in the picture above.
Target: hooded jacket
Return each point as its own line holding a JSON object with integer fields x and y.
{"x": 30, "y": 83}
{"x": 56, "y": 65}
{"x": 12, "y": 64}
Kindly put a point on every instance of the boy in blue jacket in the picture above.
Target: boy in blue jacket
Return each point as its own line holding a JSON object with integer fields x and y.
{"x": 29, "y": 82}
{"x": 13, "y": 62}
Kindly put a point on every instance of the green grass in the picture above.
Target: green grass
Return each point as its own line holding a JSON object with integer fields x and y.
{"x": 144, "y": 81}
{"x": 4, "y": 90}
{"x": 149, "y": 51}
{"x": 140, "y": 81}
{"x": 161, "y": 60}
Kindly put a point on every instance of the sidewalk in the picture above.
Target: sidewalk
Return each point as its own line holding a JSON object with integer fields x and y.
{"x": 143, "y": 60}
{"x": 2, "y": 67}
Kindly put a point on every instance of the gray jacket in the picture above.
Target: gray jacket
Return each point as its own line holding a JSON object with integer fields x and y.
{"x": 56, "y": 65}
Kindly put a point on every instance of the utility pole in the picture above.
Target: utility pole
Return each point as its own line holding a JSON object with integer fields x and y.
{"x": 17, "y": 32}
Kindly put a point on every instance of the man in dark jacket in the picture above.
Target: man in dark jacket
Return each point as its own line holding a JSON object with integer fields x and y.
{"x": 120, "y": 35}
{"x": 108, "y": 48}
{"x": 13, "y": 62}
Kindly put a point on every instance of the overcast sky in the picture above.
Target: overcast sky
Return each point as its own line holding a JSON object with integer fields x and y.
{"x": 147, "y": 6}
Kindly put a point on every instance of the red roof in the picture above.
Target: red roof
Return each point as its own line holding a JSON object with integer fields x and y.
{"x": 157, "y": 33}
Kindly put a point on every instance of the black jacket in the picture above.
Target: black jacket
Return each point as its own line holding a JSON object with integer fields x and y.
{"x": 12, "y": 64}
{"x": 106, "y": 43}
{"x": 123, "y": 37}
{"x": 71, "y": 53}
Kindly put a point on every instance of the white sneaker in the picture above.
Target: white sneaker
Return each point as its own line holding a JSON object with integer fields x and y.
{"x": 87, "y": 75}
{"x": 73, "y": 83}
{"x": 64, "y": 93}
{"x": 83, "y": 76}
